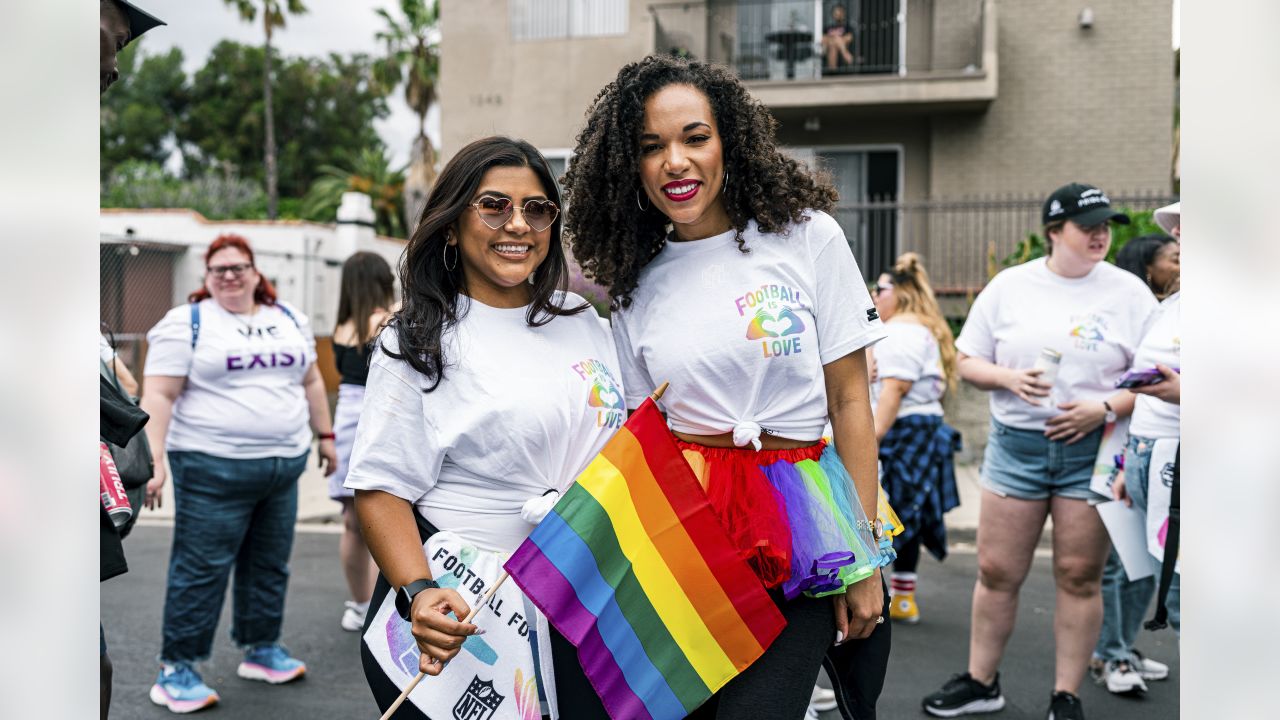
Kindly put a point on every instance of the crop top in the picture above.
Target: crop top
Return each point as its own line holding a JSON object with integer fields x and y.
{"x": 742, "y": 337}
{"x": 352, "y": 362}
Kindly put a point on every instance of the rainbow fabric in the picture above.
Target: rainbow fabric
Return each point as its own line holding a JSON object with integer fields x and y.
{"x": 634, "y": 569}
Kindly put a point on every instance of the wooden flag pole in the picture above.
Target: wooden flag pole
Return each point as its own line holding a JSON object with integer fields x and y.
{"x": 422, "y": 673}
{"x": 656, "y": 395}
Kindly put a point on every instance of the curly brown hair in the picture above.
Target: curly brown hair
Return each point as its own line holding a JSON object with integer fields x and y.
{"x": 611, "y": 236}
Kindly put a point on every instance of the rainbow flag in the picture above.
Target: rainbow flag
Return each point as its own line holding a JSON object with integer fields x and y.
{"x": 634, "y": 569}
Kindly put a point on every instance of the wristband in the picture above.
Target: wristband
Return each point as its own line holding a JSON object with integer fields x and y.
{"x": 325, "y": 436}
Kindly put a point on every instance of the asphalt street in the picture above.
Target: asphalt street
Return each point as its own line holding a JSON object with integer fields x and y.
{"x": 924, "y": 655}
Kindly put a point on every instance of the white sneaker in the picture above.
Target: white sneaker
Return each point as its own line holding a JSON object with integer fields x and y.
{"x": 1149, "y": 669}
{"x": 1121, "y": 678}
{"x": 811, "y": 713}
{"x": 822, "y": 699}
{"x": 353, "y": 616}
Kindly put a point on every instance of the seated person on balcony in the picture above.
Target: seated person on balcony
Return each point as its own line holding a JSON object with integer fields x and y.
{"x": 837, "y": 39}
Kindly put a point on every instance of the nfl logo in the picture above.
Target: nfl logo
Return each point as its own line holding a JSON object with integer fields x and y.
{"x": 479, "y": 702}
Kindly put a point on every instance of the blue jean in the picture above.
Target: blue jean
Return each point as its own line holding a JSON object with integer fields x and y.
{"x": 1137, "y": 461}
{"x": 228, "y": 512}
{"x": 1124, "y": 607}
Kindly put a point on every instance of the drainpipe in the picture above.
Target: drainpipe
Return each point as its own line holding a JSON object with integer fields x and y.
{"x": 902, "y": 38}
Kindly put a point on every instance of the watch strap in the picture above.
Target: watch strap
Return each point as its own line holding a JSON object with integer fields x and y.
{"x": 406, "y": 594}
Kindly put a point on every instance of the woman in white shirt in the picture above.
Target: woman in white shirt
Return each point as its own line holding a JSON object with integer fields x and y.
{"x": 234, "y": 396}
{"x": 916, "y": 366}
{"x": 732, "y": 282}
{"x": 1156, "y": 423}
{"x": 1087, "y": 315}
{"x": 491, "y": 387}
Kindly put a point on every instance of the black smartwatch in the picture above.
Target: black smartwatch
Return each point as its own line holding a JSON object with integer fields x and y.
{"x": 406, "y": 594}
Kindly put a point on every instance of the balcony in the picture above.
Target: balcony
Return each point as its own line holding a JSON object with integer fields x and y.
{"x": 921, "y": 55}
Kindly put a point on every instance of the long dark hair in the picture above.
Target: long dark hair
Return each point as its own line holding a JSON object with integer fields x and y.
{"x": 367, "y": 285}
{"x": 264, "y": 294}
{"x": 612, "y": 237}
{"x": 1137, "y": 255}
{"x": 431, "y": 290}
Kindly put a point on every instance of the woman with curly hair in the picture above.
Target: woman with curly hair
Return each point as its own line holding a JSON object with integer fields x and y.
{"x": 730, "y": 280}
{"x": 917, "y": 366}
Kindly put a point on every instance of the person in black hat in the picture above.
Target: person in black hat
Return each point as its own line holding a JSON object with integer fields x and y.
{"x": 121, "y": 22}
{"x": 1048, "y": 339}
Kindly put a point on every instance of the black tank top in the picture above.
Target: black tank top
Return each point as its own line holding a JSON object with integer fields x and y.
{"x": 352, "y": 362}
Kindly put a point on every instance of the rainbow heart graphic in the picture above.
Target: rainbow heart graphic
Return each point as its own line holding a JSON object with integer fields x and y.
{"x": 764, "y": 325}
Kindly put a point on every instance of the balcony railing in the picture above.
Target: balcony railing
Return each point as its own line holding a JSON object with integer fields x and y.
{"x": 805, "y": 39}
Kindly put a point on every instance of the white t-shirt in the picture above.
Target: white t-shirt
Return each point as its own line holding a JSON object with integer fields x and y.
{"x": 742, "y": 337}
{"x": 909, "y": 352}
{"x": 1095, "y": 322}
{"x": 106, "y": 353}
{"x": 521, "y": 410}
{"x": 1152, "y": 417}
{"x": 244, "y": 397}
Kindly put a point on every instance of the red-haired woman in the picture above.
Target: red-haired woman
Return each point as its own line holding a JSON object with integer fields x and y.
{"x": 231, "y": 385}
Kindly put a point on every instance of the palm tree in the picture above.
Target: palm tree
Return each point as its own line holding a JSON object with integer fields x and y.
{"x": 368, "y": 172}
{"x": 413, "y": 57}
{"x": 273, "y": 15}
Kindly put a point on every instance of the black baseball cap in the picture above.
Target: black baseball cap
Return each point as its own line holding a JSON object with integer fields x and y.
{"x": 1083, "y": 204}
{"x": 140, "y": 20}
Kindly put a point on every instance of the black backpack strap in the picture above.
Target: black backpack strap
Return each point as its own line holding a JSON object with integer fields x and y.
{"x": 1161, "y": 619}
{"x": 195, "y": 324}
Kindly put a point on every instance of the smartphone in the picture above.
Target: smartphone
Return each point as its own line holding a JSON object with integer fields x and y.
{"x": 1139, "y": 378}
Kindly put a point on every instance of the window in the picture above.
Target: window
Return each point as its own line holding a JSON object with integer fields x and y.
{"x": 549, "y": 19}
{"x": 867, "y": 180}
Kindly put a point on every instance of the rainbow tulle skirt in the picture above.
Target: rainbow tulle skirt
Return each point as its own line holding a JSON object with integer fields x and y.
{"x": 794, "y": 516}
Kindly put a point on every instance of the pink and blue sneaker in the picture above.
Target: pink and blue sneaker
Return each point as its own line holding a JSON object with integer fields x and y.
{"x": 180, "y": 688}
{"x": 270, "y": 664}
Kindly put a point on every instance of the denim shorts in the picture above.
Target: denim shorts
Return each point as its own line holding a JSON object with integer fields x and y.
{"x": 1026, "y": 465}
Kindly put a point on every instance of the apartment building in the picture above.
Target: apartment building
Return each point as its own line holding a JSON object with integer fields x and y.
{"x": 947, "y": 123}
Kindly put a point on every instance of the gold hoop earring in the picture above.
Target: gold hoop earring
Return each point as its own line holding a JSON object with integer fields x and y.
{"x": 642, "y": 207}
{"x": 445, "y": 258}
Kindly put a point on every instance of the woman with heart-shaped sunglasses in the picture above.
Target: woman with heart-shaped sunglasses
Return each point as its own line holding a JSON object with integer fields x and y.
{"x": 730, "y": 279}
{"x": 489, "y": 391}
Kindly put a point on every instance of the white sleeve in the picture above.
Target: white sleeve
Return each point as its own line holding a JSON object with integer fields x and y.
{"x": 636, "y": 382}
{"x": 397, "y": 450}
{"x": 842, "y": 308}
{"x": 105, "y": 352}
{"x": 976, "y": 337}
{"x": 169, "y": 344}
{"x": 900, "y": 355}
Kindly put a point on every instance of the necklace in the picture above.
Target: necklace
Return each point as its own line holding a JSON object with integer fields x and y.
{"x": 248, "y": 324}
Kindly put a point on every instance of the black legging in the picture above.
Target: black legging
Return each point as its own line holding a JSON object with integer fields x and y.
{"x": 908, "y": 555}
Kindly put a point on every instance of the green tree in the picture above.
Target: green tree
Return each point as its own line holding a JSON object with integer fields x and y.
{"x": 216, "y": 195}
{"x": 368, "y": 172}
{"x": 138, "y": 116}
{"x": 273, "y": 16}
{"x": 331, "y": 106}
{"x": 413, "y": 59}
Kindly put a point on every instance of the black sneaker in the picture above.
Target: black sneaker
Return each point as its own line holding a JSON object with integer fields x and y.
{"x": 962, "y": 695}
{"x": 1065, "y": 706}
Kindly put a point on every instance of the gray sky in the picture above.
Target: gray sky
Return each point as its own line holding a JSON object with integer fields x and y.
{"x": 342, "y": 26}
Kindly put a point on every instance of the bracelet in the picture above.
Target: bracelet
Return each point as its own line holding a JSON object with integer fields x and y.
{"x": 326, "y": 436}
